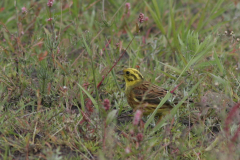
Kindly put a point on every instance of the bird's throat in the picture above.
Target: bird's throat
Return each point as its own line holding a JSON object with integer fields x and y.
{"x": 131, "y": 84}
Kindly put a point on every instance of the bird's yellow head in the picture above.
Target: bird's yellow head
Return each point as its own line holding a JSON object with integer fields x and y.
{"x": 132, "y": 77}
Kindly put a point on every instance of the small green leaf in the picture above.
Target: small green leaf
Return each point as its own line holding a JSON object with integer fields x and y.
{"x": 111, "y": 116}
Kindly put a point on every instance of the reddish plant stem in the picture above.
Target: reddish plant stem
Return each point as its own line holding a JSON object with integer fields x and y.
{"x": 109, "y": 41}
{"x": 172, "y": 91}
{"x": 116, "y": 62}
{"x": 230, "y": 118}
{"x": 236, "y": 135}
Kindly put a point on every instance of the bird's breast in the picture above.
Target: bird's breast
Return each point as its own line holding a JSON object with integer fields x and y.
{"x": 132, "y": 101}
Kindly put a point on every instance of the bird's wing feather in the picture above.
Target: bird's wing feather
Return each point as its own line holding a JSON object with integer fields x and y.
{"x": 149, "y": 93}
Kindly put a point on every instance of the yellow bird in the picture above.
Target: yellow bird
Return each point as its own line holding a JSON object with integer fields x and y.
{"x": 144, "y": 95}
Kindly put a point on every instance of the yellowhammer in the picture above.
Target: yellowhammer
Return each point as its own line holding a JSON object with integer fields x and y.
{"x": 143, "y": 95}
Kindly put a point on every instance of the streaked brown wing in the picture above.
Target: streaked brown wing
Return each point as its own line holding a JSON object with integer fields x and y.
{"x": 149, "y": 93}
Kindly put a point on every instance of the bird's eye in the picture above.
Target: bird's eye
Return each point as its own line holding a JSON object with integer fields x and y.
{"x": 127, "y": 72}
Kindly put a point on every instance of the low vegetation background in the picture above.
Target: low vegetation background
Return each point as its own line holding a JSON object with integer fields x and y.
{"x": 61, "y": 96}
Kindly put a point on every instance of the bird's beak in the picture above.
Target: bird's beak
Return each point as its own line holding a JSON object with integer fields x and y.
{"x": 120, "y": 72}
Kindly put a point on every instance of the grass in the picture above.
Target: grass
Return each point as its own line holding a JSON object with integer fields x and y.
{"x": 61, "y": 96}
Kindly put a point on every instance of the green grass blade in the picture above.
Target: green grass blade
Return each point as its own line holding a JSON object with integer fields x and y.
{"x": 156, "y": 19}
{"x": 89, "y": 96}
{"x": 220, "y": 66}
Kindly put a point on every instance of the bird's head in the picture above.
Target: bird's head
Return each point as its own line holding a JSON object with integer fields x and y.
{"x": 131, "y": 77}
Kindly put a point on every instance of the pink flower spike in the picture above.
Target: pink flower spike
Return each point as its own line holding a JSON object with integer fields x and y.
{"x": 146, "y": 19}
{"x": 128, "y": 6}
{"x": 24, "y": 10}
{"x": 139, "y": 137}
{"x": 141, "y": 18}
{"x": 50, "y": 19}
{"x": 127, "y": 150}
{"x": 106, "y": 104}
{"x": 50, "y": 3}
{"x": 137, "y": 117}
